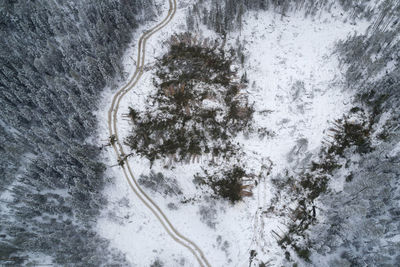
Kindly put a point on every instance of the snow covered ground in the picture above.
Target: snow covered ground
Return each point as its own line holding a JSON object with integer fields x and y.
{"x": 297, "y": 89}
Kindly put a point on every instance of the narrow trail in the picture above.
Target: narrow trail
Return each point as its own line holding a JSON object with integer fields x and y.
{"x": 113, "y": 131}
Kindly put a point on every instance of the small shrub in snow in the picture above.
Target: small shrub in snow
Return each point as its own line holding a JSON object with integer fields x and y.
{"x": 227, "y": 183}
{"x": 157, "y": 263}
{"x": 208, "y": 215}
{"x": 157, "y": 182}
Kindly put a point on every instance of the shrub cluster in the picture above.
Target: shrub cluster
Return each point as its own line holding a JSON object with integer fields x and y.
{"x": 227, "y": 184}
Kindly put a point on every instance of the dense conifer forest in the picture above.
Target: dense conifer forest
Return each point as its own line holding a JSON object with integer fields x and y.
{"x": 55, "y": 59}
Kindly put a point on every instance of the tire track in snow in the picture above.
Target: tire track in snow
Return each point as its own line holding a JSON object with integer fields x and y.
{"x": 113, "y": 130}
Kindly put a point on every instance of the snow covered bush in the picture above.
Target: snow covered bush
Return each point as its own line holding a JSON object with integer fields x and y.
{"x": 157, "y": 182}
{"x": 226, "y": 182}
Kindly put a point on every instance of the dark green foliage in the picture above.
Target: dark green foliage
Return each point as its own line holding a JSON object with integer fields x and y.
{"x": 253, "y": 254}
{"x": 351, "y": 134}
{"x": 226, "y": 184}
{"x": 287, "y": 255}
{"x": 157, "y": 263}
{"x": 230, "y": 186}
{"x": 349, "y": 177}
{"x": 178, "y": 124}
{"x": 201, "y": 63}
{"x": 303, "y": 253}
{"x": 315, "y": 185}
{"x": 328, "y": 165}
{"x": 285, "y": 241}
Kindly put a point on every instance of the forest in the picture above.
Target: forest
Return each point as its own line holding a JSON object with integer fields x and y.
{"x": 55, "y": 59}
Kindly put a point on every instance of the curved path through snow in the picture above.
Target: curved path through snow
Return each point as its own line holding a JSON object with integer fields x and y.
{"x": 113, "y": 130}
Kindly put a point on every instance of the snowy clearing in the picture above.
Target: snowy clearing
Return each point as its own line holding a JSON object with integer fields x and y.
{"x": 297, "y": 89}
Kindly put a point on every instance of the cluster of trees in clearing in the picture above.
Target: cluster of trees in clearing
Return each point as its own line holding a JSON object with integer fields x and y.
{"x": 196, "y": 111}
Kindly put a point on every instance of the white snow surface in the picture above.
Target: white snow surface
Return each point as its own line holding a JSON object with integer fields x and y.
{"x": 297, "y": 89}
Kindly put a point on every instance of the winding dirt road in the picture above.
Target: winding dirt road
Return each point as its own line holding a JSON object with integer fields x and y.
{"x": 113, "y": 130}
